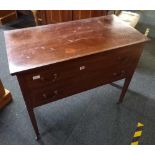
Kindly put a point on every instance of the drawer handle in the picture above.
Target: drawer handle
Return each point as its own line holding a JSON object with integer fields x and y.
{"x": 44, "y": 95}
{"x": 121, "y": 73}
{"x": 54, "y": 77}
{"x": 82, "y": 68}
{"x": 53, "y": 80}
{"x": 115, "y": 74}
{"x": 36, "y": 77}
{"x": 54, "y": 94}
{"x": 123, "y": 59}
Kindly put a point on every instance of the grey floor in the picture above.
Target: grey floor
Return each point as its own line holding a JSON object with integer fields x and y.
{"x": 91, "y": 117}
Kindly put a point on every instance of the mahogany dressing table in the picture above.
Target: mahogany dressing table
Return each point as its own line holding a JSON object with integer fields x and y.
{"x": 58, "y": 60}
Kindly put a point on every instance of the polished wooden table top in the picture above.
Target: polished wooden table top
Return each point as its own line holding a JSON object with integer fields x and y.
{"x": 30, "y": 48}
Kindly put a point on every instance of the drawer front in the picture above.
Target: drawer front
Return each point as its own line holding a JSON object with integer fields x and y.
{"x": 75, "y": 85}
{"x": 86, "y": 66}
{"x": 85, "y": 80}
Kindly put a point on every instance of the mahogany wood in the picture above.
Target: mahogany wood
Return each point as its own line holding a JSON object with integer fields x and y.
{"x": 7, "y": 16}
{"x": 2, "y": 89}
{"x": 56, "y": 16}
{"x": 83, "y": 14}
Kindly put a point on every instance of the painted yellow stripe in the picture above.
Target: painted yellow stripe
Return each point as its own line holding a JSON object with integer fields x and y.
{"x": 140, "y": 124}
{"x": 134, "y": 143}
{"x": 137, "y": 134}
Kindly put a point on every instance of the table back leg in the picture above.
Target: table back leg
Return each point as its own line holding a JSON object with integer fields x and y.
{"x": 125, "y": 88}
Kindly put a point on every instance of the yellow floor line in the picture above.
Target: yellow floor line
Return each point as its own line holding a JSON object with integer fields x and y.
{"x": 137, "y": 134}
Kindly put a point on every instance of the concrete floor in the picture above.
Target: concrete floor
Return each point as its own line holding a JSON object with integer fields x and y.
{"x": 91, "y": 117}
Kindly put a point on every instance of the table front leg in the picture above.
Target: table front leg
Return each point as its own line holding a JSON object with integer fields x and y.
{"x": 29, "y": 104}
{"x": 34, "y": 122}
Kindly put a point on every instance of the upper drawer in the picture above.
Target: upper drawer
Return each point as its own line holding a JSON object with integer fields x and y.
{"x": 55, "y": 74}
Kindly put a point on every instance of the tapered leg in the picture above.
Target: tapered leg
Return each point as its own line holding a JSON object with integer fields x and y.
{"x": 34, "y": 123}
{"x": 28, "y": 102}
{"x": 124, "y": 89}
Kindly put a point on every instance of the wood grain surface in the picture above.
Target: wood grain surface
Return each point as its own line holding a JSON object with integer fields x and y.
{"x": 34, "y": 47}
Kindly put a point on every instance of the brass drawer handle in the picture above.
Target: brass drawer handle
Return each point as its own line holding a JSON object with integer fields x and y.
{"x": 45, "y": 96}
{"x": 123, "y": 59}
{"x": 82, "y": 68}
{"x": 36, "y": 77}
{"x": 121, "y": 73}
{"x": 54, "y": 77}
{"x": 115, "y": 74}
